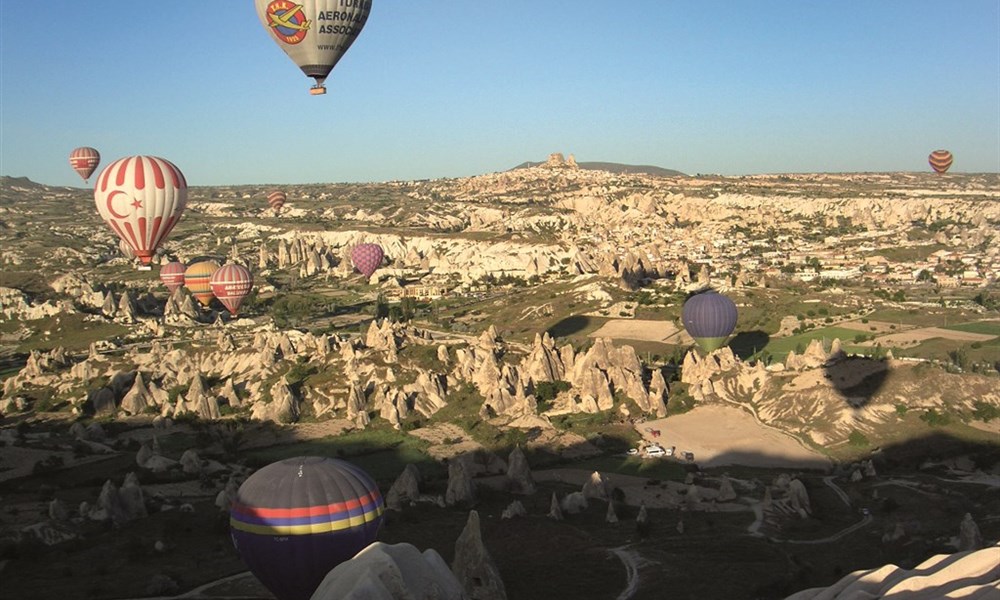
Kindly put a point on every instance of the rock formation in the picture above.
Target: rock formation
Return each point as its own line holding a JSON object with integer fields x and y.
{"x": 391, "y": 572}
{"x": 474, "y": 567}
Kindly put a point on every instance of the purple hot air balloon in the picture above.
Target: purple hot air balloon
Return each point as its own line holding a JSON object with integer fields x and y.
{"x": 367, "y": 258}
{"x": 709, "y": 318}
{"x": 296, "y": 519}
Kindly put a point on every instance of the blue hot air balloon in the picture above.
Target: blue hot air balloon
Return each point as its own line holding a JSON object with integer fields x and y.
{"x": 709, "y": 318}
{"x": 296, "y": 519}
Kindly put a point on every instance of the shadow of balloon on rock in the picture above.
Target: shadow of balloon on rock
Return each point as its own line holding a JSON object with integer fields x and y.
{"x": 857, "y": 378}
{"x": 747, "y": 343}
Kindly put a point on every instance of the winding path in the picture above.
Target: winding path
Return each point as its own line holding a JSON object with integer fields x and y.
{"x": 629, "y": 558}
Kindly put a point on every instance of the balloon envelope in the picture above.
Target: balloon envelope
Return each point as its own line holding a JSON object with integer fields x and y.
{"x": 126, "y": 250}
{"x": 141, "y": 198}
{"x": 84, "y": 160}
{"x": 709, "y": 318}
{"x": 940, "y": 161}
{"x": 276, "y": 199}
{"x": 172, "y": 275}
{"x": 231, "y": 284}
{"x": 315, "y": 34}
{"x": 198, "y": 279}
{"x": 295, "y": 520}
{"x": 367, "y": 258}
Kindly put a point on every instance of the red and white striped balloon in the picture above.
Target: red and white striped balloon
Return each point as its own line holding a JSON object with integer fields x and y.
{"x": 84, "y": 160}
{"x": 276, "y": 199}
{"x": 231, "y": 283}
{"x": 141, "y": 198}
{"x": 940, "y": 161}
{"x": 172, "y": 275}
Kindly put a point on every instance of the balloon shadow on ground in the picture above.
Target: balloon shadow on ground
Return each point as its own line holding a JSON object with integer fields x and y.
{"x": 747, "y": 343}
{"x": 569, "y": 326}
{"x": 857, "y": 378}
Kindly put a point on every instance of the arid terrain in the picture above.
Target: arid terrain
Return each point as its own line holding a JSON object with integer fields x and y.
{"x": 521, "y": 343}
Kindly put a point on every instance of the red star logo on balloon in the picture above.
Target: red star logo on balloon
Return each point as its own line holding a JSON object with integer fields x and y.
{"x": 137, "y": 204}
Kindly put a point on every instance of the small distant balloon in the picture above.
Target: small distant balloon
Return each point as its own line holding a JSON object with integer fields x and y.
{"x": 126, "y": 250}
{"x": 940, "y": 160}
{"x": 315, "y": 34}
{"x": 709, "y": 318}
{"x": 276, "y": 199}
{"x": 367, "y": 258}
{"x": 198, "y": 279}
{"x": 231, "y": 284}
{"x": 84, "y": 160}
{"x": 172, "y": 275}
{"x": 295, "y": 520}
{"x": 141, "y": 198}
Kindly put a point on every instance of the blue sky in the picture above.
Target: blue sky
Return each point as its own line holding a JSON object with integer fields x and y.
{"x": 450, "y": 88}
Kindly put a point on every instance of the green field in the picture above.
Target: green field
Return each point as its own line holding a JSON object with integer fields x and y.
{"x": 780, "y": 347}
{"x": 984, "y": 327}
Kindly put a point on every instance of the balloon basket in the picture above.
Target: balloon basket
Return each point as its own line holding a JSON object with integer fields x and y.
{"x": 317, "y": 90}
{"x": 144, "y": 268}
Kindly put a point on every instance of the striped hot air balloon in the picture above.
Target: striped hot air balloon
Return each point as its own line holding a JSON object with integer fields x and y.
{"x": 126, "y": 250}
{"x": 940, "y": 161}
{"x": 295, "y": 520}
{"x": 367, "y": 258}
{"x": 141, "y": 198}
{"x": 709, "y": 318}
{"x": 198, "y": 279}
{"x": 231, "y": 284}
{"x": 84, "y": 160}
{"x": 276, "y": 199}
{"x": 172, "y": 275}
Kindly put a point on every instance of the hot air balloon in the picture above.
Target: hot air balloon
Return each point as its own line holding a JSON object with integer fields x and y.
{"x": 84, "y": 160}
{"x": 709, "y": 318}
{"x": 940, "y": 161}
{"x": 315, "y": 34}
{"x": 276, "y": 199}
{"x": 198, "y": 279}
{"x": 231, "y": 284}
{"x": 367, "y": 258}
{"x": 172, "y": 275}
{"x": 126, "y": 250}
{"x": 295, "y": 520}
{"x": 141, "y": 198}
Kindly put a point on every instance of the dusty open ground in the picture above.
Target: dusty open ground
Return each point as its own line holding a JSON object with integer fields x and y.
{"x": 722, "y": 435}
{"x": 915, "y": 336}
{"x": 644, "y": 330}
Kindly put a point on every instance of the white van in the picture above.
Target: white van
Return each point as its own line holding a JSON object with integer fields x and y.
{"x": 655, "y": 450}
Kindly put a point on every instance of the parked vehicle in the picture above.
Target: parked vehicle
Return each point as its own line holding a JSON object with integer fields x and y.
{"x": 689, "y": 456}
{"x": 632, "y": 451}
{"x": 654, "y": 450}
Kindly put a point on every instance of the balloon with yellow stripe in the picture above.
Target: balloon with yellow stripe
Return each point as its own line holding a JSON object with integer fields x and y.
{"x": 198, "y": 280}
{"x": 296, "y": 519}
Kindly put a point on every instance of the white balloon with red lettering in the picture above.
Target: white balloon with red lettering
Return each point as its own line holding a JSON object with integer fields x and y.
{"x": 230, "y": 284}
{"x": 315, "y": 34}
{"x": 141, "y": 198}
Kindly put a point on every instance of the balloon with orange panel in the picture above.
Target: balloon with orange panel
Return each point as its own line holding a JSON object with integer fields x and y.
{"x": 84, "y": 160}
{"x": 141, "y": 198}
{"x": 231, "y": 284}
{"x": 198, "y": 279}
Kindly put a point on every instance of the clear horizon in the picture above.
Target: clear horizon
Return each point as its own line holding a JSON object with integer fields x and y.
{"x": 455, "y": 89}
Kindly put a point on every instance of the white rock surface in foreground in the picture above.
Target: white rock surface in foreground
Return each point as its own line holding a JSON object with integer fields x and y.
{"x": 391, "y": 572}
{"x": 968, "y": 575}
